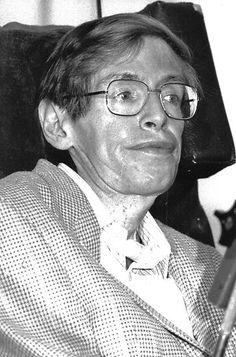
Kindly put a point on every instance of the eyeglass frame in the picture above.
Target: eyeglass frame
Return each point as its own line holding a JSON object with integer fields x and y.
{"x": 148, "y": 92}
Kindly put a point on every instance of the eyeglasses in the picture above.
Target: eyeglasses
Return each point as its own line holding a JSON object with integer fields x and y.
{"x": 128, "y": 97}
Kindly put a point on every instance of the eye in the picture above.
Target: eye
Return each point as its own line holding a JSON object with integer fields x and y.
{"x": 125, "y": 96}
{"x": 173, "y": 99}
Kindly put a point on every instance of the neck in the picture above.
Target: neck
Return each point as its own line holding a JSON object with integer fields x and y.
{"x": 126, "y": 210}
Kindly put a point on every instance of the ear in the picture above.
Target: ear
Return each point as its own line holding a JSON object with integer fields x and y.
{"x": 55, "y": 123}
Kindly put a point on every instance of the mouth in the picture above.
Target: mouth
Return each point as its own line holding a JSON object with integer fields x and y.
{"x": 155, "y": 148}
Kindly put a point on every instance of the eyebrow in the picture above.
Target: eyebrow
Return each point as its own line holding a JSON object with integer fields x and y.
{"x": 173, "y": 78}
{"x": 129, "y": 75}
{"x": 124, "y": 75}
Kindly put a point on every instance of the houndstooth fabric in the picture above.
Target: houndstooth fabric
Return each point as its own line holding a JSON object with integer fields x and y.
{"x": 57, "y": 300}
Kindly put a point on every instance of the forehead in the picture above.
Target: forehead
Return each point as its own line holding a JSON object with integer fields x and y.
{"x": 155, "y": 63}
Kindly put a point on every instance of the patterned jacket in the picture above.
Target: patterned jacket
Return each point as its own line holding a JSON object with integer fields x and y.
{"x": 57, "y": 300}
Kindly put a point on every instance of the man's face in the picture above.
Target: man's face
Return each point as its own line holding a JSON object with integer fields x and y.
{"x": 132, "y": 155}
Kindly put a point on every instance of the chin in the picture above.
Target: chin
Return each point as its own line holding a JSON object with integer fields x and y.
{"x": 153, "y": 187}
{"x": 158, "y": 190}
{"x": 147, "y": 182}
{"x": 159, "y": 186}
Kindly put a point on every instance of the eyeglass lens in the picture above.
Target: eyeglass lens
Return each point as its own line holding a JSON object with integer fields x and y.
{"x": 127, "y": 97}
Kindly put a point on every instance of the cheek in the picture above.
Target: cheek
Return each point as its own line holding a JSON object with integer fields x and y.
{"x": 101, "y": 142}
{"x": 113, "y": 136}
{"x": 177, "y": 130}
{"x": 178, "y": 127}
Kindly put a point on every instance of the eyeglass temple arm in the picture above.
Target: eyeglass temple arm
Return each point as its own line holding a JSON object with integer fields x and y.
{"x": 95, "y": 93}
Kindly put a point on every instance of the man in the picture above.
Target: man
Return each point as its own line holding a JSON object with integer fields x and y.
{"x": 85, "y": 269}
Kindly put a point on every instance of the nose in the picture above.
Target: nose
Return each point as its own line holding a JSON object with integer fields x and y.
{"x": 153, "y": 116}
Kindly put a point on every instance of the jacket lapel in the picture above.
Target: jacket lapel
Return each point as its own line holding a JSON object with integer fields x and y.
{"x": 88, "y": 231}
{"x": 194, "y": 280}
{"x": 71, "y": 207}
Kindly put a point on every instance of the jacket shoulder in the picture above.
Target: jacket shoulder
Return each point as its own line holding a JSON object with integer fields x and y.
{"x": 45, "y": 189}
{"x": 192, "y": 249}
{"x": 23, "y": 186}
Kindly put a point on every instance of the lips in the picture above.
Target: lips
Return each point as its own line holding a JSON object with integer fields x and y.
{"x": 155, "y": 147}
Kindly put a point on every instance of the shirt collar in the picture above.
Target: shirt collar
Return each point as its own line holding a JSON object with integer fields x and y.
{"x": 154, "y": 248}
